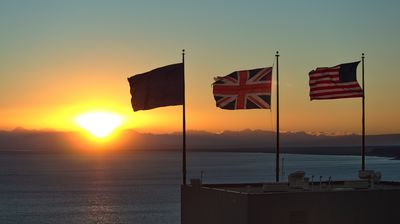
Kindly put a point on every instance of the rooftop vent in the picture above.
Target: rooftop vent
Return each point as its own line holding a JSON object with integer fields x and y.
{"x": 297, "y": 180}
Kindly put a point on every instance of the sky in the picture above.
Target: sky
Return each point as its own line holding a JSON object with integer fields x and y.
{"x": 60, "y": 59}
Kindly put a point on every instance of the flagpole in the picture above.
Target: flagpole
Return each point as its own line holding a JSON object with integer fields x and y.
{"x": 363, "y": 118}
{"x": 183, "y": 124}
{"x": 277, "y": 118}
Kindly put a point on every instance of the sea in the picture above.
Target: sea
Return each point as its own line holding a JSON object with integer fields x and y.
{"x": 143, "y": 186}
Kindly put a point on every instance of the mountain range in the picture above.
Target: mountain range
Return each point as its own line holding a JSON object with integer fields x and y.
{"x": 247, "y": 140}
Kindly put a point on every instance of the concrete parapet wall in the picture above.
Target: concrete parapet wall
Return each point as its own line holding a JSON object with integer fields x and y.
{"x": 214, "y": 205}
{"x": 200, "y": 205}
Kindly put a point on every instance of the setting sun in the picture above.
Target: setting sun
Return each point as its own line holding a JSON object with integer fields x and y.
{"x": 99, "y": 124}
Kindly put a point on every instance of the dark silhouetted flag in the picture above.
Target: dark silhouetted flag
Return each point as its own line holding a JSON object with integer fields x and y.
{"x": 250, "y": 89}
{"x": 157, "y": 88}
{"x": 335, "y": 82}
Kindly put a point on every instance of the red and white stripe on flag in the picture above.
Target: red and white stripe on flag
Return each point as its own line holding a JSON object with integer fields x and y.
{"x": 325, "y": 84}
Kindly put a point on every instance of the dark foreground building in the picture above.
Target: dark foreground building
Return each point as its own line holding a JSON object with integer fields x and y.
{"x": 301, "y": 202}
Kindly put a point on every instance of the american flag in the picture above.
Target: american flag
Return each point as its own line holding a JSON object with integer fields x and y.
{"x": 335, "y": 82}
{"x": 248, "y": 89}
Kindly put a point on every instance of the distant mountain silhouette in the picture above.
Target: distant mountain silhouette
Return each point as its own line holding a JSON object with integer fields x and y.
{"x": 245, "y": 141}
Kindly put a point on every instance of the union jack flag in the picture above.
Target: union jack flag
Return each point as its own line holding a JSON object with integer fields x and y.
{"x": 248, "y": 89}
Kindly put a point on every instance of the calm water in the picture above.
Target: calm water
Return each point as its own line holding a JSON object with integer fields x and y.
{"x": 140, "y": 187}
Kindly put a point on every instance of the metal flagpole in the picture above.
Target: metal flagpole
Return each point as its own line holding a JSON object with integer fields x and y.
{"x": 363, "y": 118}
{"x": 277, "y": 118}
{"x": 183, "y": 124}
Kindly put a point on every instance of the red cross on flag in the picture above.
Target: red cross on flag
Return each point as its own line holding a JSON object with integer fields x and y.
{"x": 248, "y": 89}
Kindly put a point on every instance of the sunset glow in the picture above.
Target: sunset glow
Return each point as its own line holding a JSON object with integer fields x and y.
{"x": 99, "y": 124}
{"x": 66, "y": 58}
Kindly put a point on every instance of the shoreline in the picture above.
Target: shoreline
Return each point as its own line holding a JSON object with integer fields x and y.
{"x": 392, "y": 152}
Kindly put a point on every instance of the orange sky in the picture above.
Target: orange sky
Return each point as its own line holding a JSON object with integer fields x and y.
{"x": 59, "y": 61}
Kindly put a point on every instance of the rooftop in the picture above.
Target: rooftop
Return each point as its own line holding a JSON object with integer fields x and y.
{"x": 284, "y": 187}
